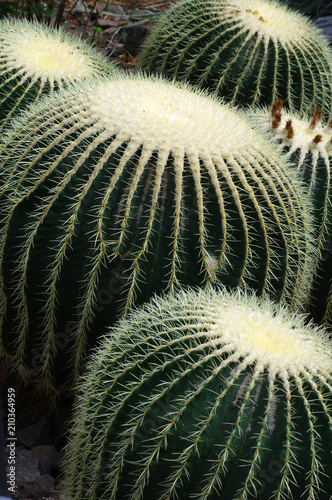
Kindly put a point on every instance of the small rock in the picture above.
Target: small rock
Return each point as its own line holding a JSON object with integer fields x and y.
{"x": 107, "y": 23}
{"x": 44, "y": 452}
{"x": 80, "y": 7}
{"x": 115, "y": 9}
{"x": 30, "y": 436}
{"x": 134, "y": 38}
{"x": 325, "y": 24}
{"x": 43, "y": 486}
{"x": 26, "y": 470}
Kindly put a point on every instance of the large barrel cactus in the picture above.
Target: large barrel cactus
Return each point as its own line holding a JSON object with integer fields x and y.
{"x": 307, "y": 141}
{"x": 36, "y": 59}
{"x": 249, "y": 51}
{"x": 205, "y": 395}
{"x": 118, "y": 188}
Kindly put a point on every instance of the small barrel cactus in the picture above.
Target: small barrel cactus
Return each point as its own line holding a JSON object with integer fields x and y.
{"x": 119, "y": 188}
{"x": 248, "y": 51}
{"x": 36, "y": 59}
{"x": 307, "y": 141}
{"x": 205, "y": 395}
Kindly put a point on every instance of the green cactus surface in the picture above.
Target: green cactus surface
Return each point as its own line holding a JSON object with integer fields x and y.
{"x": 36, "y": 59}
{"x": 119, "y": 188}
{"x": 205, "y": 395}
{"x": 248, "y": 51}
{"x": 307, "y": 141}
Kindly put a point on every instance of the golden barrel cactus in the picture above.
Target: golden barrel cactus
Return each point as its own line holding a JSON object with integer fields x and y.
{"x": 36, "y": 59}
{"x": 206, "y": 395}
{"x": 248, "y": 51}
{"x": 115, "y": 189}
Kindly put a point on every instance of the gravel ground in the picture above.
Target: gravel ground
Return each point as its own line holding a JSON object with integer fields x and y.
{"x": 38, "y": 443}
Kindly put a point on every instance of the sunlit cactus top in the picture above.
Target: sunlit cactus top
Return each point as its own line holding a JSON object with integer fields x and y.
{"x": 36, "y": 59}
{"x": 249, "y": 51}
{"x": 118, "y": 188}
{"x": 205, "y": 395}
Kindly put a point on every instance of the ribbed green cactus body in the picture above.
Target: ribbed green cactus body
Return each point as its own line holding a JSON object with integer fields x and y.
{"x": 36, "y": 59}
{"x": 205, "y": 395}
{"x": 248, "y": 51}
{"x": 307, "y": 141}
{"x": 119, "y": 189}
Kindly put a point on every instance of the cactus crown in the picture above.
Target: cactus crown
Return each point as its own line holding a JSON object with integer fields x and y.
{"x": 37, "y": 51}
{"x": 269, "y": 19}
{"x": 37, "y": 59}
{"x": 194, "y": 395}
{"x": 173, "y": 118}
{"x": 44, "y": 53}
{"x": 300, "y": 132}
{"x": 240, "y": 49}
{"x": 276, "y": 341}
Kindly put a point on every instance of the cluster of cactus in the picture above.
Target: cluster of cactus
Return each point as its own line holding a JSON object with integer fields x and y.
{"x": 118, "y": 188}
{"x": 106, "y": 200}
{"x": 249, "y": 51}
{"x": 206, "y": 395}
